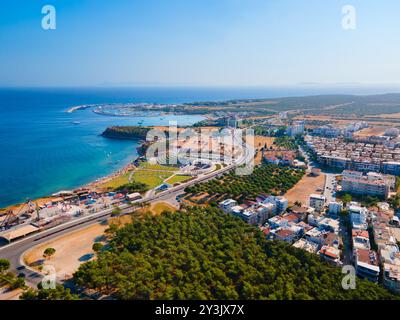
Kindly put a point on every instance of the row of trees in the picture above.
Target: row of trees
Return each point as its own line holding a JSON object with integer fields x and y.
{"x": 58, "y": 293}
{"x": 269, "y": 132}
{"x": 286, "y": 143}
{"x": 268, "y": 178}
{"x": 206, "y": 254}
{"x": 133, "y": 186}
{"x": 366, "y": 201}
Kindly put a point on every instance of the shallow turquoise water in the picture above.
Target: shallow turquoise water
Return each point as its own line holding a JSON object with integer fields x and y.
{"x": 43, "y": 152}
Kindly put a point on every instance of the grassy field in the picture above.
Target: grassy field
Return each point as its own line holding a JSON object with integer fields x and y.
{"x": 151, "y": 174}
{"x": 218, "y": 166}
{"x": 151, "y": 178}
{"x": 159, "y": 207}
{"x": 177, "y": 179}
{"x": 158, "y": 167}
{"x": 116, "y": 182}
{"x": 154, "y": 209}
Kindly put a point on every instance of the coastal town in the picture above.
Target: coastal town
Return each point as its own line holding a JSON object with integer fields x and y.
{"x": 347, "y": 217}
{"x": 353, "y": 219}
{"x": 147, "y": 176}
{"x": 200, "y": 159}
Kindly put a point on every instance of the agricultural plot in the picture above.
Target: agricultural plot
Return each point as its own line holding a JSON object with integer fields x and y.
{"x": 265, "y": 178}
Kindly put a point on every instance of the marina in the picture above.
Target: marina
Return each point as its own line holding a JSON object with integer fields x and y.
{"x": 57, "y": 150}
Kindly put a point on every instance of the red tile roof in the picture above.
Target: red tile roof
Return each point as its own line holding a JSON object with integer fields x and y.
{"x": 283, "y": 233}
{"x": 360, "y": 233}
{"x": 292, "y": 217}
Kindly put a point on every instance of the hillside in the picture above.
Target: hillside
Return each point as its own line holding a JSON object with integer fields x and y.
{"x": 126, "y": 132}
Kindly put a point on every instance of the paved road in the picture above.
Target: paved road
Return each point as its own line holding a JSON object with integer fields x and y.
{"x": 330, "y": 187}
{"x": 14, "y": 251}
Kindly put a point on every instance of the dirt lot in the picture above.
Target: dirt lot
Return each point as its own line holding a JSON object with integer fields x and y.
{"x": 75, "y": 248}
{"x": 388, "y": 116}
{"x": 370, "y": 119}
{"x": 375, "y": 131}
{"x": 306, "y": 186}
{"x": 71, "y": 250}
{"x": 259, "y": 142}
{"x": 159, "y": 207}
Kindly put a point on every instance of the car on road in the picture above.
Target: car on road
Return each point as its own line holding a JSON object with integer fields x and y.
{"x": 35, "y": 275}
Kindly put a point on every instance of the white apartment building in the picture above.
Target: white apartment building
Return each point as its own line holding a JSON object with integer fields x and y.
{"x": 296, "y": 128}
{"x": 358, "y": 217}
{"x": 317, "y": 202}
{"x": 278, "y": 222}
{"x": 372, "y": 184}
{"x": 227, "y": 205}
{"x": 264, "y": 211}
{"x": 329, "y": 224}
{"x": 281, "y": 203}
{"x": 255, "y": 215}
{"x": 335, "y": 207}
{"x": 306, "y": 245}
{"x": 249, "y": 216}
{"x": 328, "y": 131}
{"x": 315, "y": 235}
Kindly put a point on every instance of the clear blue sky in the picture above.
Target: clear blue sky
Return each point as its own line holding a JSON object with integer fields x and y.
{"x": 198, "y": 42}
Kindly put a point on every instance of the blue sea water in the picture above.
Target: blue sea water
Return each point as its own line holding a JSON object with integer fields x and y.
{"x": 43, "y": 152}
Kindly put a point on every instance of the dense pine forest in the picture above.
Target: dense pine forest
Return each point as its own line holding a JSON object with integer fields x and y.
{"x": 126, "y": 132}
{"x": 206, "y": 254}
